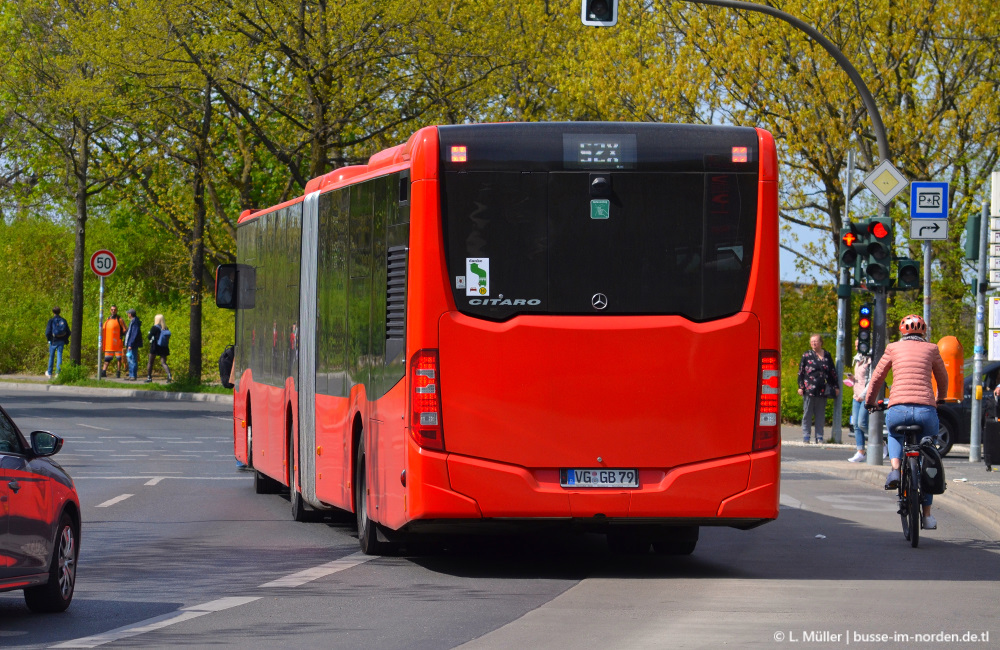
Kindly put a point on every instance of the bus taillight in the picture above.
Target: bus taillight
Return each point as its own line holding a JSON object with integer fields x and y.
{"x": 425, "y": 400}
{"x": 767, "y": 429}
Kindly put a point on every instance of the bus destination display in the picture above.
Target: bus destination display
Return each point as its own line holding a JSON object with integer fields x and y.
{"x": 599, "y": 151}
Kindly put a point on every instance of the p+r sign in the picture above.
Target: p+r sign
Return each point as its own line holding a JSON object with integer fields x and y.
{"x": 928, "y": 210}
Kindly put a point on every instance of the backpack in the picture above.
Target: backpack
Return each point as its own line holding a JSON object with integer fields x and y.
{"x": 932, "y": 477}
{"x": 164, "y": 340}
{"x": 60, "y": 328}
{"x": 226, "y": 365}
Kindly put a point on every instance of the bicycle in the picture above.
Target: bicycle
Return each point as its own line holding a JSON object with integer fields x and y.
{"x": 908, "y": 489}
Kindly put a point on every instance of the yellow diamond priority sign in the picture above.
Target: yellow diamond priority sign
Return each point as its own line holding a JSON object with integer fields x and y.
{"x": 885, "y": 182}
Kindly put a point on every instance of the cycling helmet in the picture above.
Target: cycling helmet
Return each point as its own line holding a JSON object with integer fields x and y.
{"x": 913, "y": 324}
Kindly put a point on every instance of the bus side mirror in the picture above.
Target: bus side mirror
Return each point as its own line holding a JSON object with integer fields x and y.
{"x": 225, "y": 286}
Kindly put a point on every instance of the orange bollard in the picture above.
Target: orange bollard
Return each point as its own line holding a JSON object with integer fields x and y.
{"x": 954, "y": 358}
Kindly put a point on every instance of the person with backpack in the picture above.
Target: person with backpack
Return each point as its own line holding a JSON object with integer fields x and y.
{"x": 133, "y": 344}
{"x": 159, "y": 346}
{"x": 913, "y": 361}
{"x": 57, "y": 333}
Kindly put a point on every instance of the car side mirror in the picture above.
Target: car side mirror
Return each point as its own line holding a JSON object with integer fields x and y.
{"x": 44, "y": 443}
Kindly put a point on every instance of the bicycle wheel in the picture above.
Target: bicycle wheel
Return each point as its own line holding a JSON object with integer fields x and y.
{"x": 913, "y": 501}
{"x": 903, "y": 500}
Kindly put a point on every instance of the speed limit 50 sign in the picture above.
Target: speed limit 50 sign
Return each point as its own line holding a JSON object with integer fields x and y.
{"x": 103, "y": 263}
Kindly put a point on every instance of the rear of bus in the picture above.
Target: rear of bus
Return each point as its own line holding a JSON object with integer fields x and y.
{"x": 609, "y": 356}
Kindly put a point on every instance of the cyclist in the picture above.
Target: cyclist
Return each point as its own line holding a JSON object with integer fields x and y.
{"x": 912, "y": 360}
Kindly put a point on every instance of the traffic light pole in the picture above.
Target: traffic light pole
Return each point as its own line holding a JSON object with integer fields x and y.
{"x": 843, "y": 309}
{"x": 876, "y": 419}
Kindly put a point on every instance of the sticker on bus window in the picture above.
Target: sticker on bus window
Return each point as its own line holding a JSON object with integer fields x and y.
{"x": 477, "y": 276}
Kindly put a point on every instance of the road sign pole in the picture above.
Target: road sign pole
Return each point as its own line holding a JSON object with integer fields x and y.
{"x": 100, "y": 331}
{"x": 976, "y": 428}
{"x": 927, "y": 287}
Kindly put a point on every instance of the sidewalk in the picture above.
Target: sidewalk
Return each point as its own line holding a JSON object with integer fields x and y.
{"x": 971, "y": 489}
{"x": 116, "y": 388}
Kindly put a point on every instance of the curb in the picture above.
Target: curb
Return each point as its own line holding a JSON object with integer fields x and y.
{"x": 975, "y": 504}
{"x": 121, "y": 392}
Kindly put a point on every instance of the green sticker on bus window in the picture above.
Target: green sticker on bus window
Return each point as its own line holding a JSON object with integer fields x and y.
{"x": 600, "y": 208}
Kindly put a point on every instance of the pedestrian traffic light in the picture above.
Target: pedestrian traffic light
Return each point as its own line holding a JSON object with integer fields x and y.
{"x": 853, "y": 244}
{"x": 865, "y": 329}
{"x": 599, "y": 13}
{"x": 907, "y": 273}
{"x": 879, "y": 251}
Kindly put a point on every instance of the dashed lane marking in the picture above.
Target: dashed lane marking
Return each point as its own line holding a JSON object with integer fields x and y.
{"x": 158, "y": 622}
{"x": 89, "y": 426}
{"x": 111, "y": 502}
{"x": 302, "y": 577}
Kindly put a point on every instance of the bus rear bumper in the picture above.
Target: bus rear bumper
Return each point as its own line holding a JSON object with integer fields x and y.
{"x": 739, "y": 490}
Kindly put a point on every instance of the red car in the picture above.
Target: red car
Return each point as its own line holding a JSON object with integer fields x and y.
{"x": 39, "y": 519}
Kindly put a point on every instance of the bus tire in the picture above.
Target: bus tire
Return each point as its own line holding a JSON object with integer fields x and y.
{"x": 367, "y": 529}
{"x": 676, "y": 541}
{"x": 301, "y": 512}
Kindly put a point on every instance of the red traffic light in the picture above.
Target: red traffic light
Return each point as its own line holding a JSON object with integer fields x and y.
{"x": 878, "y": 229}
{"x": 864, "y": 323}
{"x": 849, "y": 239}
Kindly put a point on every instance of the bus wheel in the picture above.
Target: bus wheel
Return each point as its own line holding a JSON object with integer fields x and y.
{"x": 367, "y": 529}
{"x": 628, "y": 541}
{"x": 676, "y": 541}
{"x": 300, "y": 511}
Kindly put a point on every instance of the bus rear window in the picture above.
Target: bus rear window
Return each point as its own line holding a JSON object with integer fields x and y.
{"x": 641, "y": 243}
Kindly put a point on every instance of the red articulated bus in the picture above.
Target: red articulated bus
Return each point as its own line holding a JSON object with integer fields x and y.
{"x": 519, "y": 325}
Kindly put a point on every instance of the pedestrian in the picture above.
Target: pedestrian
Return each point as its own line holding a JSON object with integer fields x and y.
{"x": 159, "y": 346}
{"x": 859, "y": 414}
{"x": 114, "y": 334}
{"x": 912, "y": 359}
{"x": 133, "y": 345}
{"x": 57, "y": 334}
{"x": 817, "y": 382}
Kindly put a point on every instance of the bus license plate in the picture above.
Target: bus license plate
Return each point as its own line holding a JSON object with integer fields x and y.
{"x": 599, "y": 478}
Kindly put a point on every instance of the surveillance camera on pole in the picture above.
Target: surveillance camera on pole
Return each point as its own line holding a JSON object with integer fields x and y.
{"x": 599, "y": 13}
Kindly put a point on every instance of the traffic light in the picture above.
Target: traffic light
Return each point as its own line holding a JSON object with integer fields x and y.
{"x": 907, "y": 273}
{"x": 879, "y": 251}
{"x": 972, "y": 233}
{"x": 853, "y": 244}
{"x": 865, "y": 329}
{"x": 599, "y": 13}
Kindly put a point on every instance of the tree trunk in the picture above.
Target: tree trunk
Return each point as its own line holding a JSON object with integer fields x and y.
{"x": 80, "y": 250}
{"x": 198, "y": 241}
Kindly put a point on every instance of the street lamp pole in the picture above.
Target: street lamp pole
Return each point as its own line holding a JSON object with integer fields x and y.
{"x": 879, "y": 330}
{"x": 595, "y": 10}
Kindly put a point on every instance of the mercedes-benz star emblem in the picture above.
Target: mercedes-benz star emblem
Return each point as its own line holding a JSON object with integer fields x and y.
{"x": 599, "y": 301}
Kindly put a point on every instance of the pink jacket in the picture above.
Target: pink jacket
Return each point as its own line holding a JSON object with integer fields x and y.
{"x": 912, "y": 363}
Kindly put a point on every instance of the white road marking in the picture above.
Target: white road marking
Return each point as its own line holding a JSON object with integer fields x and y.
{"x": 80, "y": 424}
{"x": 184, "y": 442}
{"x": 154, "y": 481}
{"x": 790, "y": 502}
{"x": 111, "y": 502}
{"x": 158, "y": 622}
{"x": 302, "y": 577}
{"x": 862, "y": 502}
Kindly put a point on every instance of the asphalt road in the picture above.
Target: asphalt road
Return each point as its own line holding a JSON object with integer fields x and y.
{"x": 192, "y": 557}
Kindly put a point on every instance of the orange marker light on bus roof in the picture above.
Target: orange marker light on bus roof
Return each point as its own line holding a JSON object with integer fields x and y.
{"x": 740, "y": 155}
{"x": 459, "y": 153}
